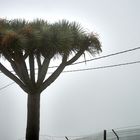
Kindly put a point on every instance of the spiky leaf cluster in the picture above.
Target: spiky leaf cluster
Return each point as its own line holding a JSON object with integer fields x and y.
{"x": 40, "y": 37}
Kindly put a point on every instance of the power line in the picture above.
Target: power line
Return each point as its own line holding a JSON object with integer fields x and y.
{"x": 126, "y": 127}
{"x": 105, "y": 56}
{"x": 109, "y": 55}
{"x": 89, "y": 69}
{"x": 103, "y": 67}
{"x": 7, "y": 86}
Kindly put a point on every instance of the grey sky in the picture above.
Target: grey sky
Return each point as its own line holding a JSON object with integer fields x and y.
{"x": 85, "y": 102}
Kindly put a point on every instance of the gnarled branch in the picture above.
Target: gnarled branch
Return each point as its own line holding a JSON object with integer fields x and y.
{"x": 54, "y": 75}
{"x": 14, "y": 66}
{"x": 13, "y": 77}
{"x": 77, "y": 55}
{"x": 32, "y": 68}
{"x": 38, "y": 58}
{"x": 43, "y": 70}
{"x": 21, "y": 64}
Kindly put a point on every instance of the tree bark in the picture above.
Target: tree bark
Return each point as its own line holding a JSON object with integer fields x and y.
{"x": 33, "y": 117}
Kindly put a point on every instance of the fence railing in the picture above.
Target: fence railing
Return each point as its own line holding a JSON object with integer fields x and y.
{"x": 127, "y": 133}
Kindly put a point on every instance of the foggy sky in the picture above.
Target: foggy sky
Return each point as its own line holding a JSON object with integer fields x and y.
{"x": 82, "y": 102}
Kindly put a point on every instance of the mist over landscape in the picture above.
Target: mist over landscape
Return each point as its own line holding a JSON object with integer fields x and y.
{"x": 86, "y": 102}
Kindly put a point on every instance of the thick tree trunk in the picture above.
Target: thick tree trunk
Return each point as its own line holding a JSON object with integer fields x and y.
{"x": 33, "y": 117}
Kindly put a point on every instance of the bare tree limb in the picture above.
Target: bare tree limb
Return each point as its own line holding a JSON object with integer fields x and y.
{"x": 21, "y": 64}
{"x": 14, "y": 66}
{"x": 25, "y": 55}
{"x": 43, "y": 70}
{"x": 32, "y": 68}
{"x": 77, "y": 55}
{"x": 55, "y": 74}
{"x": 61, "y": 67}
{"x": 38, "y": 57}
{"x": 13, "y": 77}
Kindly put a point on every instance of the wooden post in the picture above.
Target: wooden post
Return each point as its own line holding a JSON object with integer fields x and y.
{"x": 104, "y": 134}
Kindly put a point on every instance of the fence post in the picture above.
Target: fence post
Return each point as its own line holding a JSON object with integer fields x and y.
{"x": 104, "y": 134}
{"x": 66, "y": 138}
{"x": 115, "y": 134}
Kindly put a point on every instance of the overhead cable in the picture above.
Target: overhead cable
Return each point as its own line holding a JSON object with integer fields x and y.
{"x": 103, "y": 67}
{"x": 101, "y": 57}
{"x": 89, "y": 69}
{"x": 7, "y": 86}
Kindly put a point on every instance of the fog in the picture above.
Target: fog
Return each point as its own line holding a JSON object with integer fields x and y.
{"x": 87, "y": 102}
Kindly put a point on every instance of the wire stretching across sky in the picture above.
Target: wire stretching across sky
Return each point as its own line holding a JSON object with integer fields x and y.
{"x": 97, "y": 58}
{"x": 89, "y": 69}
{"x": 94, "y": 68}
{"x": 103, "y": 67}
{"x": 7, "y": 86}
{"x": 109, "y": 55}
{"x": 104, "y": 56}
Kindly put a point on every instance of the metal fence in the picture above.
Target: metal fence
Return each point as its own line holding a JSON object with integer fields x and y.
{"x": 130, "y": 133}
{"x": 127, "y": 133}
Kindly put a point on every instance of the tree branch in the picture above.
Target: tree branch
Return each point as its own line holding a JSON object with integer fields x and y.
{"x": 38, "y": 60}
{"x": 17, "y": 71}
{"x": 13, "y": 77}
{"x": 32, "y": 68}
{"x": 55, "y": 74}
{"x": 25, "y": 55}
{"x": 43, "y": 70}
{"x": 38, "y": 63}
{"x": 13, "y": 65}
{"x": 21, "y": 64}
{"x": 77, "y": 55}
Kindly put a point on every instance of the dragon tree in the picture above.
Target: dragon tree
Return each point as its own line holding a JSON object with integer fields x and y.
{"x": 30, "y": 46}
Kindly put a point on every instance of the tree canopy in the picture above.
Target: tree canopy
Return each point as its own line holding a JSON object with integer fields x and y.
{"x": 39, "y": 36}
{"x": 22, "y": 40}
